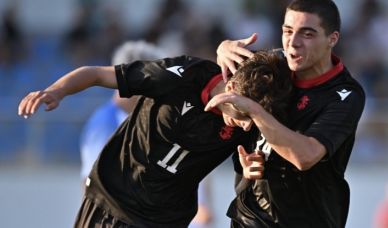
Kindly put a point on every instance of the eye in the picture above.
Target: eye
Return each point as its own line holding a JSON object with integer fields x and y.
{"x": 238, "y": 114}
{"x": 230, "y": 110}
{"x": 308, "y": 34}
{"x": 287, "y": 32}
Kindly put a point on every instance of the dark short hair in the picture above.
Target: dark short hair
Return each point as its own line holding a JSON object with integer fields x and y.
{"x": 266, "y": 79}
{"x": 326, "y": 10}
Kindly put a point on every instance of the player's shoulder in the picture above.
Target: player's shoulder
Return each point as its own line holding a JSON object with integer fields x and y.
{"x": 348, "y": 85}
{"x": 186, "y": 61}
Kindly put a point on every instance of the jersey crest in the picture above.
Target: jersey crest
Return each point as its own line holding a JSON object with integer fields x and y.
{"x": 303, "y": 102}
{"x": 226, "y": 132}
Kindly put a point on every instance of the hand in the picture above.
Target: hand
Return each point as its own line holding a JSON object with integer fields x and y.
{"x": 230, "y": 51}
{"x": 31, "y": 103}
{"x": 240, "y": 103}
{"x": 252, "y": 164}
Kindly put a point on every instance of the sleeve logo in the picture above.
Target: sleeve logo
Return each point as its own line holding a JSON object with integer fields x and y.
{"x": 178, "y": 70}
{"x": 344, "y": 94}
{"x": 186, "y": 107}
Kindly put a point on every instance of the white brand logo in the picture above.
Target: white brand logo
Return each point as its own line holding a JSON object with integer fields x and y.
{"x": 186, "y": 107}
{"x": 178, "y": 70}
{"x": 344, "y": 94}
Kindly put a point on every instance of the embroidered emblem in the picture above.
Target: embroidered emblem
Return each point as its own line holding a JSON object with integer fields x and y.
{"x": 303, "y": 102}
{"x": 226, "y": 132}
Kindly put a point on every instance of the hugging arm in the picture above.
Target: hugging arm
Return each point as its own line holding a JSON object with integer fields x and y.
{"x": 302, "y": 151}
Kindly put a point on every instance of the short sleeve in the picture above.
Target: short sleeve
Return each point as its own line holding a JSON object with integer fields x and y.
{"x": 338, "y": 121}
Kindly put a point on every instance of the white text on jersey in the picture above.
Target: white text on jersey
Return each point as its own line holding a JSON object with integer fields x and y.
{"x": 263, "y": 146}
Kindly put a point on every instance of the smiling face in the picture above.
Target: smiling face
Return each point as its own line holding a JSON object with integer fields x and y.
{"x": 307, "y": 47}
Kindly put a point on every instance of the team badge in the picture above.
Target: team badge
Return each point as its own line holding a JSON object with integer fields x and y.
{"x": 303, "y": 102}
{"x": 226, "y": 132}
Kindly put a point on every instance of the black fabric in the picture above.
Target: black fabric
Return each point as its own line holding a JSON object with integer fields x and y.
{"x": 148, "y": 173}
{"x": 318, "y": 197}
{"x": 96, "y": 217}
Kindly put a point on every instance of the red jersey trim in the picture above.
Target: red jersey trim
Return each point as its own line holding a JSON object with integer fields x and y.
{"x": 304, "y": 84}
{"x": 205, "y": 95}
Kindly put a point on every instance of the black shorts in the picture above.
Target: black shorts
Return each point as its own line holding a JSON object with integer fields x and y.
{"x": 90, "y": 215}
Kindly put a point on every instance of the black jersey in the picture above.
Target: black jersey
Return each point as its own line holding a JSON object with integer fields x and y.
{"x": 148, "y": 173}
{"x": 327, "y": 108}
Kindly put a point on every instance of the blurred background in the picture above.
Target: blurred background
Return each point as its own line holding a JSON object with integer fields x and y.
{"x": 40, "y": 40}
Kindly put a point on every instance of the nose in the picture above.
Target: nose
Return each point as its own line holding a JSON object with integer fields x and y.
{"x": 246, "y": 125}
{"x": 293, "y": 40}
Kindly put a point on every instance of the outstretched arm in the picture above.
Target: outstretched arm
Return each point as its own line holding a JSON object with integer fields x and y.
{"x": 73, "y": 82}
{"x": 230, "y": 52}
{"x": 300, "y": 150}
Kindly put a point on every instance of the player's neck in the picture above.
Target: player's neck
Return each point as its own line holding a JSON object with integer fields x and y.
{"x": 219, "y": 88}
{"x": 321, "y": 67}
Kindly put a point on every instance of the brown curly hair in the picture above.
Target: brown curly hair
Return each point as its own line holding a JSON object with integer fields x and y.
{"x": 266, "y": 79}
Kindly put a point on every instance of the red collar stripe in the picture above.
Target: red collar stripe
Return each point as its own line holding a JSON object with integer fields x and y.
{"x": 304, "y": 84}
{"x": 205, "y": 95}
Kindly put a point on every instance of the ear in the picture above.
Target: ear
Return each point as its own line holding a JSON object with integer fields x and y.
{"x": 229, "y": 86}
{"x": 333, "y": 38}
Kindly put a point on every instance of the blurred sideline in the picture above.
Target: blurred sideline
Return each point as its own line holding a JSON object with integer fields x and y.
{"x": 49, "y": 196}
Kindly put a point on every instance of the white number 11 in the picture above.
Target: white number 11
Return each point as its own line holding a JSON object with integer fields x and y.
{"x": 172, "y": 168}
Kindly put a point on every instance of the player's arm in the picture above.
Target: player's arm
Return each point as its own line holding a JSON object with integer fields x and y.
{"x": 302, "y": 151}
{"x": 72, "y": 82}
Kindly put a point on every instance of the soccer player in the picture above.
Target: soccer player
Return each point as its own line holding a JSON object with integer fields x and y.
{"x": 107, "y": 117}
{"x": 147, "y": 175}
{"x": 306, "y": 158}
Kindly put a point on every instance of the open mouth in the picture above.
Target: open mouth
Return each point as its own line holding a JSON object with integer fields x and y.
{"x": 295, "y": 56}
